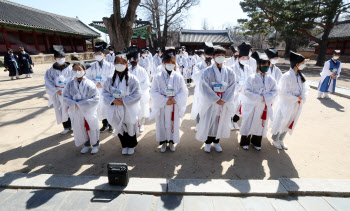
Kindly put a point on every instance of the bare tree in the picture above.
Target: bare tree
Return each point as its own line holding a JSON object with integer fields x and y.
{"x": 205, "y": 24}
{"x": 120, "y": 26}
{"x": 167, "y": 15}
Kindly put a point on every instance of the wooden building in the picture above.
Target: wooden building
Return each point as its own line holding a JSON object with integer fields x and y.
{"x": 193, "y": 39}
{"x": 37, "y": 30}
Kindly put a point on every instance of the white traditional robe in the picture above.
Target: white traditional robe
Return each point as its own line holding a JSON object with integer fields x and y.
{"x": 231, "y": 62}
{"x": 275, "y": 72}
{"x": 196, "y": 77}
{"x": 56, "y": 80}
{"x": 156, "y": 62}
{"x": 143, "y": 79}
{"x": 256, "y": 114}
{"x": 86, "y": 97}
{"x": 98, "y": 74}
{"x": 252, "y": 64}
{"x": 191, "y": 67}
{"x": 110, "y": 58}
{"x": 215, "y": 120}
{"x": 288, "y": 109}
{"x": 181, "y": 61}
{"x": 327, "y": 72}
{"x": 123, "y": 118}
{"x": 168, "y": 129}
{"x": 146, "y": 63}
{"x": 241, "y": 77}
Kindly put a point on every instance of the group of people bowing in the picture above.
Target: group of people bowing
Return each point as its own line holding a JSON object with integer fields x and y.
{"x": 118, "y": 87}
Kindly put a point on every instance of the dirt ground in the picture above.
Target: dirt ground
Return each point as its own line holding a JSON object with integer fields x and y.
{"x": 30, "y": 142}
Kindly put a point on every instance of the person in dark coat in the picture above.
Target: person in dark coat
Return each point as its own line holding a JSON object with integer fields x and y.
{"x": 11, "y": 64}
{"x": 25, "y": 63}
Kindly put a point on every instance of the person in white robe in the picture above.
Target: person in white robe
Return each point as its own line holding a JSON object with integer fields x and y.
{"x": 329, "y": 75}
{"x": 143, "y": 79}
{"x": 217, "y": 89}
{"x": 231, "y": 62}
{"x": 274, "y": 71}
{"x": 82, "y": 98}
{"x": 260, "y": 91}
{"x": 191, "y": 67}
{"x": 111, "y": 55}
{"x": 185, "y": 53}
{"x": 181, "y": 61}
{"x": 251, "y": 62}
{"x": 169, "y": 96}
{"x": 200, "y": 58}
{"x": 122, "y": 95}
{"x": 98, "y": 73}
{"x": 242, "y": 71}
{"x": 146, "y": 63}
{"x": 293, "y": 91}
{"x": 56, "y": 79}
{"x": 157, "y": 60}
{"x": 149, "y": 56}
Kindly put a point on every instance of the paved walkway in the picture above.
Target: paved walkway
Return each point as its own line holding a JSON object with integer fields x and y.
{"x": 12, "y": 199}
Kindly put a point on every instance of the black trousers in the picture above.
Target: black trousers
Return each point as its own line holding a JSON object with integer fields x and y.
{"x": 162, "y": 142}
{"x": 212, "y": 140}
{"x": 255, "y": 140}
{"x": 235, "y": 118}
{"x": 105, "y": 123}
{"x": 67, "y": 124}
{"x": 127, "y": 141}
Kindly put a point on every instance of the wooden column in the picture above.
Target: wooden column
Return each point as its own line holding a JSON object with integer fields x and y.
{"x": 84, "y": 44}
{"x": 93, "y": 44}
{"x": 36, "y": 42}
{"x": 5, "y": 35}
{"x": 139, "y": 41}
{"x": 47, "y": 43}
{"x": 71, "y": 43}
{"x": 59, "y": 39}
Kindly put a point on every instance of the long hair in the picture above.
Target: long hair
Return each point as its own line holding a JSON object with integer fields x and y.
{"x": 121, "y": 60}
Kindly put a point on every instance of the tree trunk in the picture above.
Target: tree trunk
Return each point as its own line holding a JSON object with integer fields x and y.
{"x": 323, "y": 48}
{"x": 120, "y": 29}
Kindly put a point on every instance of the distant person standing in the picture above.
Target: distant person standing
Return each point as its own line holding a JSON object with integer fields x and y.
{"x": 111, "y": 55}
{"x": 25, "y": 63}
{"x": 11, "y": 64}
{"x": 329, "y": 75}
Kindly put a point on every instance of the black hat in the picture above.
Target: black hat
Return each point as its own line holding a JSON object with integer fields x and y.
{"x": 199, "y": 52}
{"x": 260, "y": 57}
{"x": 133, "y": 49}
{"x": 233, "y": 49}
{"x": 134, "y": 55}
{"x": 296, "y": 58}
{"x": 336, "y": 52}
{"x": 208, "y": 48}
{"x": 170, "y": 51}
{"x": 167, "y": 56}
{"x": 58, "y": 50}
{"x": 190, "y": 53}
{"x": 110, "y": 47}
{"x": 271, "y": 52}
{"x": 99, "y": 48}
{"x": 158, "y": 50}
{"x": 143, "y": 50}
{"x": 244, "y": 49}
{"x": 219, "y": 50}
{"x": 183, "y": 47}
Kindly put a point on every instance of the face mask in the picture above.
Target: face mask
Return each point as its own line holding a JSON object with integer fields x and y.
{"x": 220, "y": 59}
{"x": 244, "y": 62}
{"x": 61, "y": 60}
{"x": 264, "y": 69}
{"x": 98, "y": 57}
{"x": 335, "y": 57}
{"x": 274, "y": 61}
{"x": 78, "y": 74}
{"x": 120, "y": 67}
{"x": 301, "y": 67}
{"x": 143, "y": 55}
{"x": 202, "y": 57}
{"x": 236, "y": 56}
{"x": 170, "y": 67}
{"x": 133, "y": 63}
{"x": 111, "y": 52}
{"x": 250, "y": 53}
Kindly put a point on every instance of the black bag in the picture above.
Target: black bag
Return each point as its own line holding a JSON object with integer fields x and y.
{"x": 118, "y": 174}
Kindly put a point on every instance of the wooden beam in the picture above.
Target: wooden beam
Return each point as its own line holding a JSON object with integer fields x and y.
{"x": 36, "y": 43}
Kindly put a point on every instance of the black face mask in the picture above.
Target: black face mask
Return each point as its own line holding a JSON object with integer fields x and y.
{"x": 133, "y": 64}
{"x": 236, "y": 56}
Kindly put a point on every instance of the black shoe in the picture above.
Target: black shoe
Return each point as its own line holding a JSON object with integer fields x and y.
{"x": 103, "y": 129}
{"x": 110, "y": 129}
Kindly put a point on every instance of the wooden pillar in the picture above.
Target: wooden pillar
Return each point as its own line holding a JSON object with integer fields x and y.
{"x": 5, "y": 35}
{"x": 139, "y": 41}
{"x": 93, "y": 44}
{"x": 71, "y": 43}
{"x": 84, "y": 44}
{"x": 59, "y": 39}
{"x": 36, "y": 43}
{"x": 47, "y": 43}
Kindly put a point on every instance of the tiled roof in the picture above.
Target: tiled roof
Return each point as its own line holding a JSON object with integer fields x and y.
{"x": 20, "y": 15}
{"x": 200, "y": 36}
{"x": 341, "y": 30}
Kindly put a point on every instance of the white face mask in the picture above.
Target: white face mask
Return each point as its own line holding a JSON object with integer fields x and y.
{"x": 78, "y": 73}
{"x": 301, "y": 67}
{"x": 274, "y": 61}
{"x": 220, "y": 59}
{"x": 98, "y": 57}
{"x": 250, "y": 53}
{"x": 111, "y": 52}
{"x": 335, "y": 57}
{"x": 120, "y": 67}
{"x": 143, "y": 55}
{"x": 202, "y": 57}
{"x": 244, "y": 62}
{"x": 170, "y": 67}
{"x": 61, "y": 60}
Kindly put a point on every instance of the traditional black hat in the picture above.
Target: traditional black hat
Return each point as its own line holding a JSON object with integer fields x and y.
{"x": 233, "y": 49}
{"x": 134, "y": 55}
{"x": 219, "y": 50}
{"x": 143, "y": 50}
{"x": 169, "y": 51}
{"x": 99, "y": 48}
{"x": 336, "y": 52}
{"x": 110, "y": 47}
{"x": 208, "y": 48}
{"x": 244, "y": 49}
{"x": 191, "y": 52}
{"x": 58, "y": 50}
{"x": 167, "y": 56}
{"x": 296, "y": 58}
{"x": 260, "y": 57}
{"x": 271, "y": 52}
{"x": 158, "y": 50}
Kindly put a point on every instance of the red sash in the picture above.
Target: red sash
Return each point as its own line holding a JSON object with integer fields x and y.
{"x": 87, "y": 128}
{"x": 291, "y": 125}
